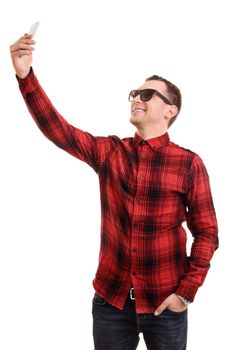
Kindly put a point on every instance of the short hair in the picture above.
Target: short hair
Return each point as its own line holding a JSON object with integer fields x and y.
{"x": 173, "y": 93}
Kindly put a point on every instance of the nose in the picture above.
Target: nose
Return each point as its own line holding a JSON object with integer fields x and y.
{"x": 137, "y": 98}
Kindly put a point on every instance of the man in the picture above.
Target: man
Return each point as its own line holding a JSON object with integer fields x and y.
{"x": 149, "y": 186}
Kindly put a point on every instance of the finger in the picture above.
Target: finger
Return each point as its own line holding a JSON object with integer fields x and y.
{"x": 25, "y": 36}
{"x": 24, "y": 40}
{"x": 20, "y": 46}
{"x": 21, "y": 53}
{"x": 24, "y": 53}
{"x": 160, "y": 309}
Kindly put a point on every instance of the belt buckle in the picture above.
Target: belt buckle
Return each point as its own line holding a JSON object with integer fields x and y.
{"x": 131, "y": 294}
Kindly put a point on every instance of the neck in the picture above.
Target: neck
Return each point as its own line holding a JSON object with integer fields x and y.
{"x": 147, "y": 134}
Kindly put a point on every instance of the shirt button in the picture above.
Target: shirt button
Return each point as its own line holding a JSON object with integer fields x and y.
{"x": 137, "y": 200}
{"x": 144, "y": 142}
{"x": 139, "y": 177}
{"x": 143, "y": 155}
{"x": 136, "y": 225}
{"x": 133, "y": 250}
{"x": 134, "y": 273}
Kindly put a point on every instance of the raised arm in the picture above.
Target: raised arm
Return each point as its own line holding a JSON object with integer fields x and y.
{"x": 82, "y": 145}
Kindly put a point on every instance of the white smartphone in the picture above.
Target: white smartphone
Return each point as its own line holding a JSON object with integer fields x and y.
{"x": 33, "y": 28}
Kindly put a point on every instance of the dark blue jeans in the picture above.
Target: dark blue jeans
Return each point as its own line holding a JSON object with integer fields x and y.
{"x": 115, "y": 329}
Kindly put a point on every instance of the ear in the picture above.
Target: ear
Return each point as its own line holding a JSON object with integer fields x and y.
{"x": 171, "y": 112}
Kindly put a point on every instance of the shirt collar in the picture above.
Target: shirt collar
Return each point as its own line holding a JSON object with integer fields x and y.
{"x": 154, "y": 143}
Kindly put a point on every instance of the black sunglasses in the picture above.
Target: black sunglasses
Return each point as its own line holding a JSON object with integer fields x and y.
{"x": 146, "y": 95}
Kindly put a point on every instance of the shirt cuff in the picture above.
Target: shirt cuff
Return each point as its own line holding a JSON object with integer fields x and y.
{"x": 187, "y": 290}
{"x": 29, "y": 83}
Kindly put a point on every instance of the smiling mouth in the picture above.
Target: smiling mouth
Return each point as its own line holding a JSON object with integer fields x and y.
{"x": 138, "y": 110}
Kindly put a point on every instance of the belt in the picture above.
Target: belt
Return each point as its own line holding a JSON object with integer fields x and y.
{"x": 131, "y": 294}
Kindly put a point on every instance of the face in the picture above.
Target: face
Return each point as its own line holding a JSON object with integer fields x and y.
{"x": 154, "y": 113}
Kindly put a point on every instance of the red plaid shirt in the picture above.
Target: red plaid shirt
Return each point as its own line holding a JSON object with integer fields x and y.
{"x": 148, "y": 189}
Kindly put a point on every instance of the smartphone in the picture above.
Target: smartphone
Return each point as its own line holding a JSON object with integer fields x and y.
{"x": 33, "y": 28}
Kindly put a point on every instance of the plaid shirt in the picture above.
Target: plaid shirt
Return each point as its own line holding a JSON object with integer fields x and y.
{"x": 148, "y": 189}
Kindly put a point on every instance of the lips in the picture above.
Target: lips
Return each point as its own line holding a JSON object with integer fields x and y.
{"x": 137, "y": 109}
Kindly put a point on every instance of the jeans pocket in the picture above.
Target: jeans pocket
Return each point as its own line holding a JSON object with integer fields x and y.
{"x": 98, "y": 300}
{"x": 176, "y": 313}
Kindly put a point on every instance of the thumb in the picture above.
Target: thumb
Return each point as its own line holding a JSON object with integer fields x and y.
{"x": 161, "y": 308}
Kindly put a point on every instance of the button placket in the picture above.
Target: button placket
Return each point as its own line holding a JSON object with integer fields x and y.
{"x": 136, "y": 214}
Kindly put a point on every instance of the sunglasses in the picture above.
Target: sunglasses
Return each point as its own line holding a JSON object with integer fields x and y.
{"x": 146, "y": 95}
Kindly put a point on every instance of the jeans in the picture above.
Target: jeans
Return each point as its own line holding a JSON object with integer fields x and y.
{"x": 115, "y": 329}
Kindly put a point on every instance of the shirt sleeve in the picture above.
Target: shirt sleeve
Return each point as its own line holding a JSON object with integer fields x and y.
{"x": 202, "y": 222}
{"x": 91, "y": 149}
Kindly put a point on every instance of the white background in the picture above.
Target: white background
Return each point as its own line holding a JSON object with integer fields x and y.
{"x": 88, "y": 56}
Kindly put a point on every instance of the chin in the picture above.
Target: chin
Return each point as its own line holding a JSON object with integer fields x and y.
{"x": 134, "y": 121}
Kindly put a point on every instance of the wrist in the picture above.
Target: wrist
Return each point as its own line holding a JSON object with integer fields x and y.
{"x": 23, "y": 74}
{"x": 183, "y": 300}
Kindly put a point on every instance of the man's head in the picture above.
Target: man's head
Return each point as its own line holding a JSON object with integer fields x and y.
{"x": 155, "y": 104}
